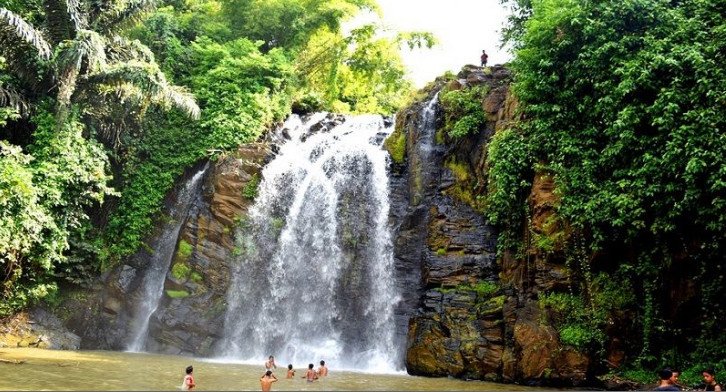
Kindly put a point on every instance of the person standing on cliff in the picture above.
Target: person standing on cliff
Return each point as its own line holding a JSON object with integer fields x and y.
{"x": 484, "y": 57}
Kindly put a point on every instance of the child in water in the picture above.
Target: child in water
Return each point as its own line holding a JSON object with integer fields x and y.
{"x": 290, "y": 372}
{"x": 266, "y": 381}
{"x": 188, "y": 383}
{"x": 310, "y": 375}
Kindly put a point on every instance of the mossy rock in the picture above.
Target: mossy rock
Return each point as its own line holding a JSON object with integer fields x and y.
{"x": 395, "y": 144}
{"x": 184, "y": 250}
{"x": 492, "y": 306}
{"x": 181, "y": 271}
{"x": 177, "y": 293}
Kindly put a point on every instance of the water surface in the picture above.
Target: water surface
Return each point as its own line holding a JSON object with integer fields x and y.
{"x": 106, "y": 370}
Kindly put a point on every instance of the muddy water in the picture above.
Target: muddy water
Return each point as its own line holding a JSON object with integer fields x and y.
{"x": 104, "y": 370}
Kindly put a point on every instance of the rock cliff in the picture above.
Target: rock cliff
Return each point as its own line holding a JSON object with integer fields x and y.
{"x": 473, "y": 315}
{"x": 464, "y": 312}
{"x": 189, "y": 316}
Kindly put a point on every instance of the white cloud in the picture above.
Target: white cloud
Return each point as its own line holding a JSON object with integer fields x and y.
{"x": 463, "y": 28}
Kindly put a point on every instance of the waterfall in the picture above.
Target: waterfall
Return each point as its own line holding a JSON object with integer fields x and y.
{"x": 314, "y": 277}
{"x": 152, "y": 286}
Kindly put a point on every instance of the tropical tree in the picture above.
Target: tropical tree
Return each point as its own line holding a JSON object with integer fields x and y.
{"x": 359, "y": 72}
{"x": 625, "y": 103}
{"x": 79, "y": 55}
{"x": 66, "y": 76}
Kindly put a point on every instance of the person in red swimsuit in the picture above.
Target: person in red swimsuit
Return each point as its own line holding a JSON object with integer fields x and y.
{"x": 189, "y": 384}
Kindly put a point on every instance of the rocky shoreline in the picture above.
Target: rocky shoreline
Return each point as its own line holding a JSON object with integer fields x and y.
{"x": 37, "y": 328}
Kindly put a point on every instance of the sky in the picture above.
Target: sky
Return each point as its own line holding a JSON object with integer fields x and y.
{"x": 462, "y": 27}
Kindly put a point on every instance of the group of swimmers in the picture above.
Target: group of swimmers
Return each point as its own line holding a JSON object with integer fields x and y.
{"x": 310, "y": 375}
{"x": 268, "y": 378}
{"x": 669, "y": 381}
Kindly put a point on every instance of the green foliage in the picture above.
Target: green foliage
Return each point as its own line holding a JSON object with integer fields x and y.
{"x": 288, "y": 24}
{"x": 184, "y": 250}
{"x": 509, "y": 182}
{"x": 486, "y": 288}
{"x": 395, "y": 144}
{"x": 573, "y": 321}
{"x": 177, "y": 294}
{"x": 97, "y": 83}
{"x": 464, "y": 188}
{"x": 250, "y": 190}
{"x": 581, "y": 319}
{"x": 624, "y": 103}
{"x": 43, "y": 198}
{"x": 238, "y": 87}
{"x": 180, "y": 271}
{"x": 358, "y": 73}
{"x": 463, "y": 112}
{"x": 196, "y": 277}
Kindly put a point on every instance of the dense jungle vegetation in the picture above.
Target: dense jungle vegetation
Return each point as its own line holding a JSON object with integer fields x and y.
{"x": 104, "y": 103}
{"x": 624, "y": 106}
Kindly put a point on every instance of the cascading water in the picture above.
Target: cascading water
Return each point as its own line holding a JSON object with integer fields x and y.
{"x": 152, "y": 285}
{"x": 314, "y": 278}
{"x": 425, "y": 160}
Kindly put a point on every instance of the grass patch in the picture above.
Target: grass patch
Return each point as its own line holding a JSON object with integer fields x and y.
{"x": 177, "y": 293}
{"x": 195, "y": 277}
{"x": 180, "y": 271}
{"x": 184, "y": 250}
{"x": 249, "y": 192}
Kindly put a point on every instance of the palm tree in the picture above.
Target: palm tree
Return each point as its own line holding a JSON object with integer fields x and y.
{"x": 78, "y": 55}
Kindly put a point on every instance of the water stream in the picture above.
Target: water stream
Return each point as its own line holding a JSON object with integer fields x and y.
{"x": 152, "y": 286}
{"x": 314, "y": 278}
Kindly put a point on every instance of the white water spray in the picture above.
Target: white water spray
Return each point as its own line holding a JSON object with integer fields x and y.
{"x": 314, "y": 278}
{"x": 152, "y": 286}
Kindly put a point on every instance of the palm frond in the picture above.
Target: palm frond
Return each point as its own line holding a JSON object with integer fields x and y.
{"x": 77, "y": 14}
{"x": 116, "y": 110}
{"x": 89, "y": 46}
{"x": 123, "y": 13}
{"x": 10, "y": 97}
{"x": 151, "y": 81}
{"x": 15, "y": 28}
{"x": 122, "y": 49}
{"x": 182, "y": 99}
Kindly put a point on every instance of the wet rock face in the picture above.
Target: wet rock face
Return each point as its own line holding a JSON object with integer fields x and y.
{"x": 190, "y": 315}
{"x": 471, "y": 315}
{"x": 444, "y": 250}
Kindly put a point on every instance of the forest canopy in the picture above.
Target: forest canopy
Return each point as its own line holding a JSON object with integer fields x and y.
{"x": 624, "y": 104}
{"x": 104, "y": 104}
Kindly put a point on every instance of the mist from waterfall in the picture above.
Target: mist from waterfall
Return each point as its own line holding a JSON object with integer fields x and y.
{"x": 152, "y": 286}
{"x": 313, "y": 277}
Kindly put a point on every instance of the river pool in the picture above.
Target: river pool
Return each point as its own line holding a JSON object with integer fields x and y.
{"x": 108, "y": 370}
